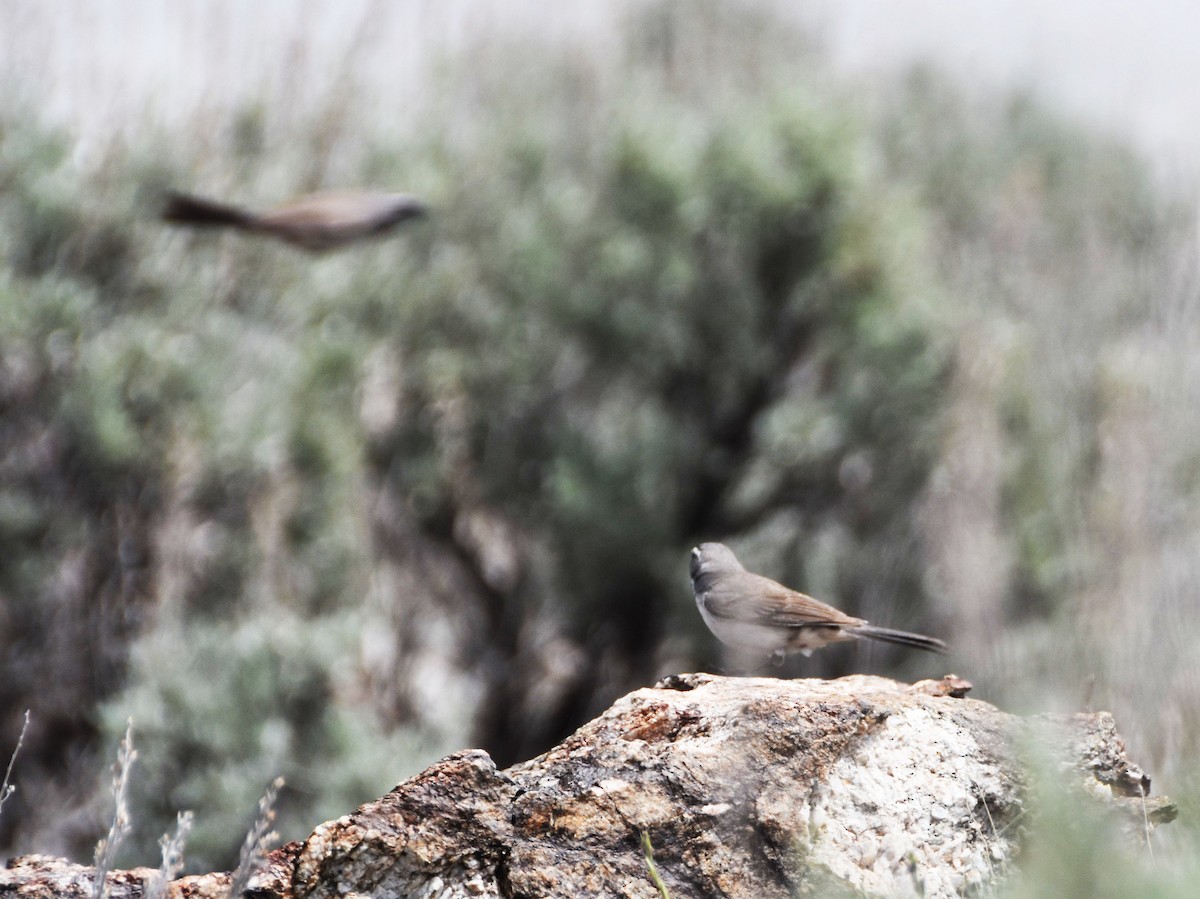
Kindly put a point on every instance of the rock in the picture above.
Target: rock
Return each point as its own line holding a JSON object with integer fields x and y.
{"x": 745, "y": 787}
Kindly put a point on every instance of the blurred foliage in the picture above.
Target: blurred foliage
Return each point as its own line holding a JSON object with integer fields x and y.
{"x": 222, "y": 709}
{"x": 326, "y": 518}
{"x": 1074, "y": 271}
{"x": 631, "y": 326}
{"x": 681, "y": 337}
{"x": 1071, "y": 847}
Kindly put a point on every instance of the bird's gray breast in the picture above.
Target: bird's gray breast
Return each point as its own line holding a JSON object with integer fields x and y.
{"x": 702, "y": 581}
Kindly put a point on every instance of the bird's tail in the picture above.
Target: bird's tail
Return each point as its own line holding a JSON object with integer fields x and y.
{"x": 183, "y": 209}
{"x": 904, "y": 638}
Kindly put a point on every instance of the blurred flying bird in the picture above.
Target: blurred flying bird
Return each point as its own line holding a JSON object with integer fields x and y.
{"x": 315, "y": 222}
{"x": 756, "y": 614}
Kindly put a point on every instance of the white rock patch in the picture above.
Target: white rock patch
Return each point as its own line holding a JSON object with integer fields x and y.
{"x": 905, "y": 808}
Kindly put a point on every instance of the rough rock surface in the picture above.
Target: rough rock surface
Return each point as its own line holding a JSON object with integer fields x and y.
{"x": 745, "y": 787}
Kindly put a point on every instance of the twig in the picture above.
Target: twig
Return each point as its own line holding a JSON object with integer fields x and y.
{"x": 172, "y": 857}
{"x": 254, "y": 847}
{"x": 648, "y": 853}
{"x": 106, "y": 849}
{"x": 1146, "y": 823}
{"x": 987, "y": 844}
{"x": 6, "y": 788}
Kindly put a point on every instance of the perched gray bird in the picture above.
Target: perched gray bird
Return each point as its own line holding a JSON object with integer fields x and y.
{"x": 756, "y": 614}
{"x": 315, "y": 222}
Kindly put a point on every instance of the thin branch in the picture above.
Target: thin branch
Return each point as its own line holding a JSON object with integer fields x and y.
{"x": 6, "y": 788}
{"x": 1146, "y": 823}
{"x": 987, "y": 844}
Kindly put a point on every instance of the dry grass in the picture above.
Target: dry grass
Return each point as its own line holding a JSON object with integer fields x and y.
{"x": 122, "y": 822}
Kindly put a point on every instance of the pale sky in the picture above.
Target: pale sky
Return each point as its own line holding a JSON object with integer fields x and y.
{"x": 1128, "y": 65}
{"x": 1133, "y": 66}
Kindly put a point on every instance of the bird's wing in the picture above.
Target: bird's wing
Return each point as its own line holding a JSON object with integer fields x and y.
{"x": 341, "y": 208}
{"x": 765, "y": 601}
